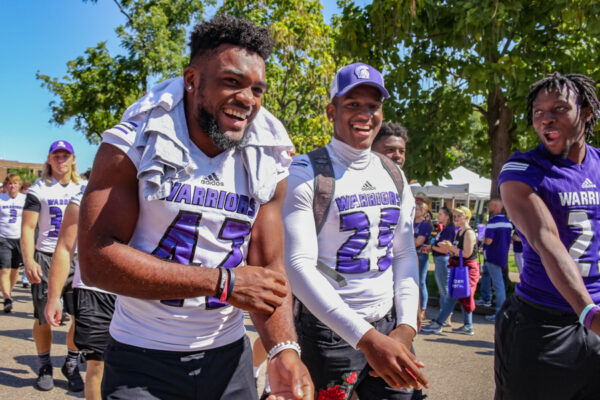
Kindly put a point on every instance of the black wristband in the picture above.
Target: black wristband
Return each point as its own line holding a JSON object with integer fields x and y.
{"x": 231, "y": 282}
{"x": 222, "y": 282}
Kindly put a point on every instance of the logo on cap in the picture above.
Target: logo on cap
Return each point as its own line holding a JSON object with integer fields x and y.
{"x": 61, "y": 144}
{"x": 362, "y": 72}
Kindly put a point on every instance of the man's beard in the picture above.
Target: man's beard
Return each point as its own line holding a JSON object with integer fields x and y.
{"x": 209, "y": 125}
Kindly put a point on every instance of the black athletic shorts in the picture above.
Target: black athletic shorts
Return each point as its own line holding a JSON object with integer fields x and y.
{"x": 39, "y": 291}
{"x": 544, "y": 353}
{"x": 224, "y": 373}
{"x": 93, "y": 312}
{"x": 10, "y": 253}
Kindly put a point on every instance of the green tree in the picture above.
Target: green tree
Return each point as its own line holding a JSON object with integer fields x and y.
{"x": 444, "y": 59}
{"x": 98, "y": 86}
{"x": 301, "y": 68}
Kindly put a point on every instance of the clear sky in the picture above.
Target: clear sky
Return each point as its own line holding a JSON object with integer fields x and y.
{"x": 42, "y": 35}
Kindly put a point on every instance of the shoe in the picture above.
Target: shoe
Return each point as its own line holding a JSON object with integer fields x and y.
{"x": 433, "y": 327}
{"x": 8, "y": 304}
{"x": 44, "y": 380}
{"x": 484, "y": 303}
{"x": 74, "y": 381}
{"x": 491, "y": 318}
{"x": 464, "y": 330}
{"x": 446, "y": 324}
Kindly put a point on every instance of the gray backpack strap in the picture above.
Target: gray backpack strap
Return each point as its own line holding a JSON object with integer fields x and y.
{"x": 324, "y": 183}
{"x": 392, "y": 169}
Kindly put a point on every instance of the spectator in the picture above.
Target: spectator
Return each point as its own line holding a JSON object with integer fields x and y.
{"x": 466, "y": 241}
{"x": 495, "y": 248}
{"x": 517, "y": 250}
{"x": 422, "y": 232}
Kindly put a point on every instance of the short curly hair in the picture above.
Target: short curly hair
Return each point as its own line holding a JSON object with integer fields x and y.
{"x": 228, "y": 29}
{"x": 392, "y": 129}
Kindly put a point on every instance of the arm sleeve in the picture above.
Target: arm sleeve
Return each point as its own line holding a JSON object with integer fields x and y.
{"x": 312, "y": 288}
{"x": 32, "y": 203}
{"x": 122, "y": 136}
{"x": 405, "y": 264}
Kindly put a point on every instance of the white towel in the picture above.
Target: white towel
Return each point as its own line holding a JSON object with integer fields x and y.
{"x": 162, "y": 139}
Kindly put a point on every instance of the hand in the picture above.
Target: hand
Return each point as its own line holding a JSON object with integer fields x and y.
{"x": 258, "y": 289}
{"x": 425, "y": 249}
{"x": 289, "y": 378}
{"x": 53, "y": 311}
{"x": 392, "y": 361}
{"x": 33, "y": 271}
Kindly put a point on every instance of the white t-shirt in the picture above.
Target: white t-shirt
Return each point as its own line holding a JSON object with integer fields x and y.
{"x": 53, "y": 199}
{"x": 367, "y": 237}
{"x": 206, "y": 220}
{"x": 11, "y": 214}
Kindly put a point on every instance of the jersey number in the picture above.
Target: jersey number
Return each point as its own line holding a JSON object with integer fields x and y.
{"x": 347, "y": 256}
{"x": 13, "y": 216}
{"x": 179, "y": 244}
{"x": 580, "y": 246}
{"x": 55, "y": 220}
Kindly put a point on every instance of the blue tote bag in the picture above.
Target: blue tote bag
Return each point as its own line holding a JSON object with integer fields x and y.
{"x": 458, "y": 281}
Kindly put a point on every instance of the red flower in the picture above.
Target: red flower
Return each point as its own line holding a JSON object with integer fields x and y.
{"x": 332, "y": 393}
{"x": 351, "y": 378}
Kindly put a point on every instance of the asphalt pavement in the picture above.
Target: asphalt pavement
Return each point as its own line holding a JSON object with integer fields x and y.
{"x": 457, "y": 366}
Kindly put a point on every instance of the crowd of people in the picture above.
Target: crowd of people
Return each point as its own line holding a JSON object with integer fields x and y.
{"x": 195, "y": 211}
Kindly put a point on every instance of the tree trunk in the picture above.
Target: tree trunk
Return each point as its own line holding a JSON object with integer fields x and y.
{"x": 499, "y": 118}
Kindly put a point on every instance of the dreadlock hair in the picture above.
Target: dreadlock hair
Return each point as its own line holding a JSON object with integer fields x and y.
{"x": 583, "y": 86}
{"x": 391, "y": 129}
{"x": 228, "y": 29}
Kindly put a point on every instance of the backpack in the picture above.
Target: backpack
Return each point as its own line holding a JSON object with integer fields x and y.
{"x": 324, "y": 187}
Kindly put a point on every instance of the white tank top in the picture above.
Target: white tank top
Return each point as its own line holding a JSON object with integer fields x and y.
{"x": 11, "y": 213}
{"x": 206, "y": 220}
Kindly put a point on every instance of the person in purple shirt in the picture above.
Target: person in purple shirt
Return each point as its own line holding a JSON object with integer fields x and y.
{"x": 440, "y": 258}
{"x": 546, "y": 338}
{"x": 496, "y": 244}
{"x": 422, "y": 232}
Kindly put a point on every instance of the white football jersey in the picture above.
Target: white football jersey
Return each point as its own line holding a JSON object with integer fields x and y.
{"x": 53, "y": 199}
{"x": 366, "y": 239}
{"x": 11, "y": 213}
{"x": 206, "y": 220}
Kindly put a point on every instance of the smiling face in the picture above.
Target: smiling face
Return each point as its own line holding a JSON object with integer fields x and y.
{"x": 393, "y": 147}
{"x": 227, "y": 85}
{"x": 12, "y": 187}
{"x": 560, "y": 123}
{"x": 357, "y": 116}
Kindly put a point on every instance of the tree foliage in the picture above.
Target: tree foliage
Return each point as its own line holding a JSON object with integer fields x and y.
{"x": 444, "y": 59}
{"x": 301, "y": 68}
{"x": 98, "y": 86}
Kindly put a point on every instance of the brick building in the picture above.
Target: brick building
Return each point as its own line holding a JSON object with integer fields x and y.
{"x": 8, "y": 167}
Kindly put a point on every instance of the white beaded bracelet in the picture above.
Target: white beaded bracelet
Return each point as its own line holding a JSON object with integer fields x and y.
{"x": 279, "y": 347}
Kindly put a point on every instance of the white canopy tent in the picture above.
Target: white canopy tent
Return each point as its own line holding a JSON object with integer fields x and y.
{"x": 462, "y": 185}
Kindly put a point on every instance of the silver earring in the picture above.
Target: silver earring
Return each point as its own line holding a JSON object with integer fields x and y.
{"x": 189, "y": 87}
{"x": 330, "y": 119}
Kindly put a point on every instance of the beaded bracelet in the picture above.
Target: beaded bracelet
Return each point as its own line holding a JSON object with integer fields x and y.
{"x": 590, "y": 317}
{"x": 230, "y": 283}
{"x": 584, "y": 313}
{"x": 279, "y": 347}
{"x": 222, "y": 282}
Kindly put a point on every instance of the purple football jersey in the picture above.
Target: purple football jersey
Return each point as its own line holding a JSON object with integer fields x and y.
{"x": 572, "y": 194}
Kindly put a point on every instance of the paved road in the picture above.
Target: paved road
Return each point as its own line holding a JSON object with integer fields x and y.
{"x": 458, "y": 366}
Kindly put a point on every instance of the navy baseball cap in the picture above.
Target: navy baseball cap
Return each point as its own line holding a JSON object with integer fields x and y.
{"x": 353, "y": 75}
{"x": 61, "y": 145}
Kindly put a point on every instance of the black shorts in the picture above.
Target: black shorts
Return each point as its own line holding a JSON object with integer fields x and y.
{"x": 39, "y": 291}
{"x": 10, "y": 253}
{"x": 334, "y": 365}
{"x": 224, "y": 373}
{"x": 93, "y": 312}
{"x": 544, "y": 353}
